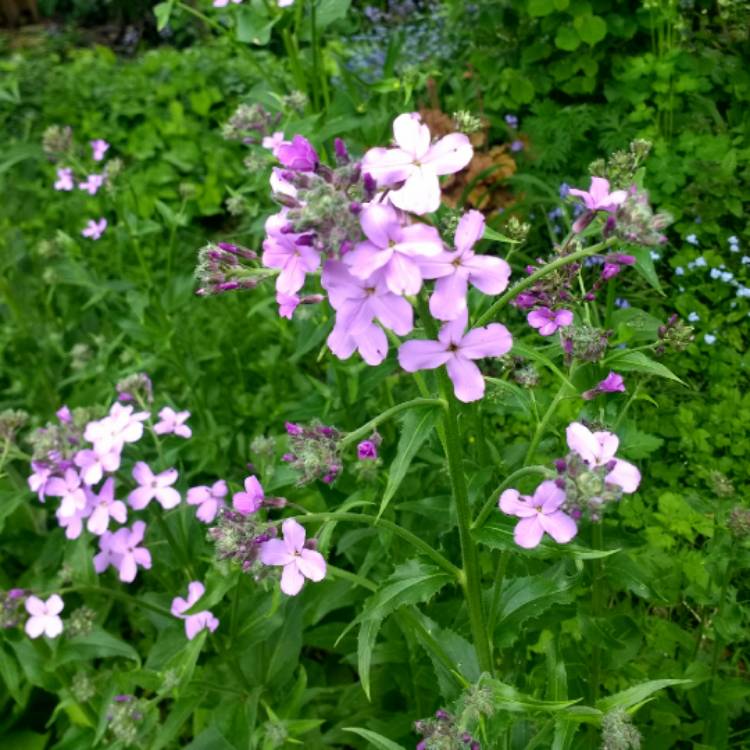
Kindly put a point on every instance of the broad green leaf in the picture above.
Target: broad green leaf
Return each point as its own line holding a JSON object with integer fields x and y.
{"x": 645, "y": 267}
{"x": 24, "y": 740}
{"x": 163, "y": 11}
{"x": 253, "y": 26}
{"x": 375, "y": 739}
{"x": 590, "y": 28}
{"x": 540, "y": 7}
{"x": 567, "y": 39}
{"x": 10, "y": 675}
{"x": 631, "y": 361}
{"x": 637, "y": 694}
{"x": 416, "y": 428}
{"x": 328, "y": 11}
{"x": 210, "y": 739}
{"x": 98, "y": 644}
{"x": 181, "y": 711}
{"x": 507, "y": 698}
{"x": 366, "y": 638}
{"x": 495, "y": 236}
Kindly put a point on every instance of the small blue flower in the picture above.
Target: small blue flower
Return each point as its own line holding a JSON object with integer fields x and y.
{"x": 623, "y": 304}
{"x": 709, "y": 338}
{"x": 693, "y": 317}
{"x": 727, "y": 276}
{"x": 655, "y": 255}
{"x": 715, "y": 273}
{"x": 564, "y": 190}
{"x": 745, "y": 260}
{"x": 691, "y": 239}
{"x": 700, "y": 262}
{"x": 679, "y": 271}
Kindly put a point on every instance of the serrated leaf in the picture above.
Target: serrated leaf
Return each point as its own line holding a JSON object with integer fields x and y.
{"x": 638, "y": 362}
{"x": 375, "y": 739}
{"x": 417, "y": 426}
{"x": 637, "y": 694}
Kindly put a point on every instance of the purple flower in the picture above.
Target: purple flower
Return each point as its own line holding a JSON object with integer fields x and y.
{"x": 39, "y": 479}
{"x": 172, "y": 421}
{"x": 124, "y": 553}
{"x": 456, "y": 350}
{"x": 613, "y": 383}
{"x": 94, "y": 229}
{"x": 548, "y": 321}
{"x": 392, "y": 247}
{"x": 539, "y": 514}
{"x": 209, "y": 499}
{"x": 153, "y": 486}
{"x": 119, "y": 427}
{"x": 98, "y": 149}
{"x": 272, "y": 142}
{"x": 287, "y": 303}
{"x": 92, "y": 183}
{"x": 280, "y": 250}
{"x": 68, "y": 487}
{"x": 103, "y": 507}
{"x": 416, "y": 163}
{"x": 511, "y": 121}
{"x": 517, "y": 145}
{"x": 298, "y": 561}
{"x": 73, "y": 523}
{"x": 64, "y": 415}
{"x": 45, "y": 616}
{"x": 92, "y": 465}
{"x": 367, "y": 451}
{"x": 598, "y": 197}
{"x": 598, "y": 449}
{"x": 224, "y": 3}
{"x": 64, "y": 179}
{"x": 454, "y": 271}
{"x": 251, "y": 499}
{"x": 299, "y": 155}
{"x": 200, "y": 620}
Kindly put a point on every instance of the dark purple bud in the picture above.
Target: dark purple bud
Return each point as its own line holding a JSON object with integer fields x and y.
{"x": 589, "y": 297}
{"x": 560, "y": 465}
{"x": 16, "y": 593}
{"x": 346, "y": 246}
{"x": 421, "y": 745}
{"x": 311, "y": 543}
{"x": 292, "y": 428}
{"x": 355, "y": 208}
{"x": 261, "y": 538}
{"x": 673, "y": 320}
{"x": 661, "y": 331}
{"x": 288, "y": 457}
{"x": 583, "y": 221}
{"x": 228, "y": 286}
{"x": 560, "y": 482}
{"x": 466, "y": 738}
{"x": 367, "y": 451}
{"x": 609, "y": 225}
{"x": 123, "y": 698}
{"x": 611, "y": 465}
{"x": 442, "y": 715}
{"x": 530, "y": 269}
{"x": 475, "y": 746}
{"x": 305, "y": 240}
{"x": 342, "y": 153}
{"x": 609, "y": 271}
{"x": 370, "y": 185}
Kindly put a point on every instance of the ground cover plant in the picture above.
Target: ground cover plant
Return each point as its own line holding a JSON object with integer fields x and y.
{"x": 375, "y": 376}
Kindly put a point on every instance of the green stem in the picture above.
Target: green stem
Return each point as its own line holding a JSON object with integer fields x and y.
{"x": 469, "y": 556}
{"x": 315, "y": 55}
{"x": 368, "y": 427}
{"x": 202, "y": 16}
{"x": 110, "y": 593}
{"x": 625, "y": 408}
{"x": 407, "y": 536}
{"x": 491, "y": 502}
{"x": 529, "y": 281}
{"x": 597, "y": 543}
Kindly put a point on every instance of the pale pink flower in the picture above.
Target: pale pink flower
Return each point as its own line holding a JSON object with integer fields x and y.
{"x": 172, "y": 421}
{"x": 119, "y": 427}
{"x": 454, "y": 271}
{"x": 209, "y": 499}
{"x": 271, "y": 142}
{"x": 73, "y": 524}
{"x": 45, "y": 616}
{"x": 456, "y": 350}
{"x": 598, "y": 449}
{"x": 251, "y": 499}
{"x": 64, "y": 179}
{"x": 539, "y": 514}
{"x": 92, "y": 183}
{"x": 153, "y": 487}
{"x": 288, "y": 252}
{"x": 92, "y": 465}
{"x": 547, "y": 321}
{"x": 104, "y": 507}
{"x": 69, "y": 488}
{"x": 287, "y": 303}
{"x": 198, "y": 621}
{"x": 39, "y": 479}
{"x": 417, "y": 163}
{"x": 224, "y": 3}
{"x": 598, "y": 197}
{"x": 613, "y": 383}
{"x": 125, "y": 554}
{"x": 94, "y": 229}
{"x": 394, "y": 247}
{"x": 98, "y": 149}
{"x": 298, "y": 561}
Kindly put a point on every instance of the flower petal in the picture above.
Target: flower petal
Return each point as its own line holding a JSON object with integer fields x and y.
{"x": 528, "y": 532}
{"x": 294, "y": 535}
{"x": 624, "y": 475}
{"x": 468, "y": 382}
{"x": 493, "y": 340}
{"x": 450, "y": 154}
{"x": 512, "y": 505}
{"x": 422, "y": 355}
{"x": 561, "y": 527}
{"x": 312, "y": 565}
{"x": 291, "y": 579}
{"x": 582, "y": 441}
{"x": 275, "y": 552}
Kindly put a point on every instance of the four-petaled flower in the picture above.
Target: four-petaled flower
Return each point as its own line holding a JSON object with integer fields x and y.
{"x": 392, "y": 247}
{"x": 120, "y": 549}
{"x": 251, "y": 499}
{"x": 613, "y": 383}
{"x": 539, "y": 514}
{"x": 456, "y": 350}
{"x": 153, "y": 486}
{"x": 119, "y": 427}
{"x": 99, "y": 147}
{"x": 93, "y": 465}
{"x": 94, "y": 229}
{"x": 297, "y": 154}
{"x": 198, "y": 621}
{"x": 64, "y": 179}
{"x": 92, "y": 183}
{"x": 172, "y": 421}
{"x": 417, "y": 163}
{"x": 45, "y": 616}
{"x": 598, "y": 449}
{"x": 298, "y": 561}
{"x": 103, "y": 507}
{"x": 454, "y": 271}
{"x": 69, "y": 488}
{"x": 598, "y": 197}
{"x": 547, "y": 321}
{"x": 288, "y": 252}
{"x": 209, "y": 499}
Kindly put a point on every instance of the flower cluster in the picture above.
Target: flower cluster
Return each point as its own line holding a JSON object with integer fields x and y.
{"x": 314, "y": 452}
{"x": 443, "y": 732}
{"x": 194, "y": 623}
{"x": 590, "y": 477}
{"x": 59, "y": 145}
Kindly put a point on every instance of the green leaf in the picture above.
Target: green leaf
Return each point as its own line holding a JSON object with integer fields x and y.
{"x": 522, "y": 89}
{"x": 180, "y": 713}
{"x": 210, "y": 739}
{"x": 417, "y": 425}
{"x": 639, "y": 362}
{"x": 163, "y": 11}
{"x": 567, "y": 39}
{"x": 411, "y": 583}
{"x": 375, "y": 739}
{"x": 590, "y": 28}
{"x": 507, "y": 698}
{"x": 529, "y": 352}
{"x": 491, "y": 234}
{"x": 637, "y": 694}
{"x": 541, "y": 7}
{"x": 328, "y": 11}
{"x": 253, "y": 26}
{"x": 98, "y": 644}
{"x": 645, "y": 267}
{"x": 10, "y": 675}
{"x": 24, "y": 740}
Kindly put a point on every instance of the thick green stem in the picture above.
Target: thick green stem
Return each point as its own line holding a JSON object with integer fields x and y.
{"x": 366, "y": 429}
{"x": 545, "y": 270}
{"x": 471, "y": 577}
{"x": 597, "y": 593}
{"x": 407, "y": 536}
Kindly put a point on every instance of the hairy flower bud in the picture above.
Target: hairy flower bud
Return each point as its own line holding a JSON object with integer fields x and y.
{"x": 618, "y": 732}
